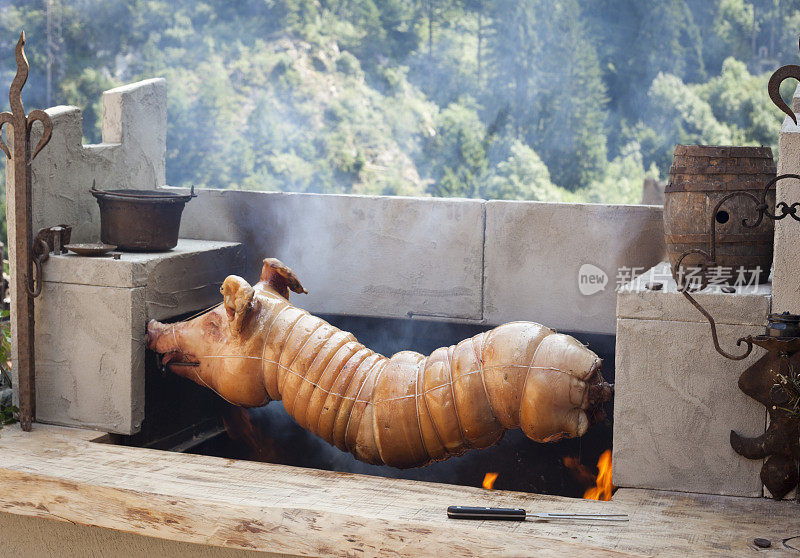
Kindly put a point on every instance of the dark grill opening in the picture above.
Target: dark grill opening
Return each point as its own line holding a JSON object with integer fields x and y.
{"x": 183, "y": 416}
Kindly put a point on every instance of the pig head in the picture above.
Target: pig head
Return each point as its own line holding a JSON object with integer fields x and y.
{"x": 222, "y": 348}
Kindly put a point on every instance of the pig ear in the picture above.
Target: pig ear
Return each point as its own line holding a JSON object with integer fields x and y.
{"x": 238, "y": 301}
{"x": 280, "y": 278}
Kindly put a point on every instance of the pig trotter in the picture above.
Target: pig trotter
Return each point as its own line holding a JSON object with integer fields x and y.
{"x": 404, "y": 411}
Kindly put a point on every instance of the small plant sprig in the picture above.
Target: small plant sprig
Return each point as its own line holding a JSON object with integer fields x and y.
{"x": 8, "y": 412}
{"x": 790, "y": 383}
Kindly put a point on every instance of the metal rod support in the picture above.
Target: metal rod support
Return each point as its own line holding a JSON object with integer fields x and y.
{"x": 19, "y": 213}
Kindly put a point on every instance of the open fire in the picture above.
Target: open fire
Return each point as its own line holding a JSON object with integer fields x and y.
{"x": 268, "y": 434}
{"x": 603, "y": 489}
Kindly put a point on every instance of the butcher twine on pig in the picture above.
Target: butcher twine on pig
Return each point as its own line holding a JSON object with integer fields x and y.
{"x": 404, "y": 411}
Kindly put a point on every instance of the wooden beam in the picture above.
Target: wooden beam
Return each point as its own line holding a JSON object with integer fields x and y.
{"x": 59, "y": 473}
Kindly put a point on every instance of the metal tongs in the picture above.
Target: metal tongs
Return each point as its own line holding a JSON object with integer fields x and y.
{"x": 518, "y": 514}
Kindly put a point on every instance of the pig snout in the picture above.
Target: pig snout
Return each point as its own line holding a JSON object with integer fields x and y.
{"x": 157, "y": 341}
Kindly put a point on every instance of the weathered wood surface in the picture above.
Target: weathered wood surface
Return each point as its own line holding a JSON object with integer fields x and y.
{"x": 58, "y": 473}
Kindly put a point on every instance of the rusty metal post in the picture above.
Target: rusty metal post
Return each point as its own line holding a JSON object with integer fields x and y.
{"x": 19, "y": 212}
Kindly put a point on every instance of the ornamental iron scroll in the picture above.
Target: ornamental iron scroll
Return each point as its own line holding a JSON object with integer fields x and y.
{"x": 774, "y": 379}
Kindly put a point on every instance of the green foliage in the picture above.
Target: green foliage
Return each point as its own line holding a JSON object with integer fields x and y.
{"x": 8, "y": 412}
{"x": 550, "y": 85}
{"x": 737, "y": 98}
{"x": 457, "y": 153}
{"x": 635, "y": 40}
{"x": 622, "y": 178}
{"x": 348, "y": 65}
{"x": 729, "y": 109}
{"x": 678, "y": 114}
{"x": 569, "y": 100}
{"x": 522, "y": 176}
{"x": 732, "y": 25}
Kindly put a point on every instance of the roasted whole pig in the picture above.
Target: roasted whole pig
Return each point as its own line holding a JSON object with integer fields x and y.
{"x": 404, "y": 411}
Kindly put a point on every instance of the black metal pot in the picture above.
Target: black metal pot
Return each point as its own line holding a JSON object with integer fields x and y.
{"x": 783, "y": 325}
{"x": 141, "y": 220}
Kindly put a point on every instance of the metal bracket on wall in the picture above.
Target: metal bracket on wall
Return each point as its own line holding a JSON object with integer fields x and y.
{"x": 774, "y": 379}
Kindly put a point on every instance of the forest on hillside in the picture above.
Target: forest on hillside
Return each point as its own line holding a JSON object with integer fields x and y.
{"x": 558, "y": 100}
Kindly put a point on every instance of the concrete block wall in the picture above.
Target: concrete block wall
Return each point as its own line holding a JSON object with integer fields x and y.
{"x": 360, "y": 255}
{"x": 535, "y": 252}
{"x": 431, "y": 258}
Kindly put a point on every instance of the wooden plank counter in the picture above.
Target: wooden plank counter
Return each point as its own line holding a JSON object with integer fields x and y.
{"x": 61, "y": 474}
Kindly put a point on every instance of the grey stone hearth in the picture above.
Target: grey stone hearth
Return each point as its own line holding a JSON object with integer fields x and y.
{"x": 90, "y": 327}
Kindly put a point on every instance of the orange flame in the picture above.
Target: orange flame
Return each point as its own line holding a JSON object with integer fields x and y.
{"x": 488, "y": 480}
{"x": 604, "y": 488}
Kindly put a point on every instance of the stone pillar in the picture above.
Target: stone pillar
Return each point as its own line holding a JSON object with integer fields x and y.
{"x": 132, "y": 156}
{"x": 786, "y": 259}
{"x": 676, "y": 398}
{"x": 90, "y": 327}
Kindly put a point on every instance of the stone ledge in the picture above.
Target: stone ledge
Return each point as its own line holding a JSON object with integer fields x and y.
{"x": 184, "y": 279}
{"x": 133, "y": 269}
{"x": 749, "y": 305}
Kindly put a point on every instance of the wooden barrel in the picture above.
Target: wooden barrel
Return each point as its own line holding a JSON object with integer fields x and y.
{"x": 699, "y": 177}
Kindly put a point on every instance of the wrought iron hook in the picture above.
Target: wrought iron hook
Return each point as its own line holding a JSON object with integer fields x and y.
{"x": 685, "y": 289}
{"x": 41, "y": 252}
{"x": 774, "y": 86}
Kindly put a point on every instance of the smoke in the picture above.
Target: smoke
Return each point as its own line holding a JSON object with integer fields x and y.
{"x": 398, "y": 98}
